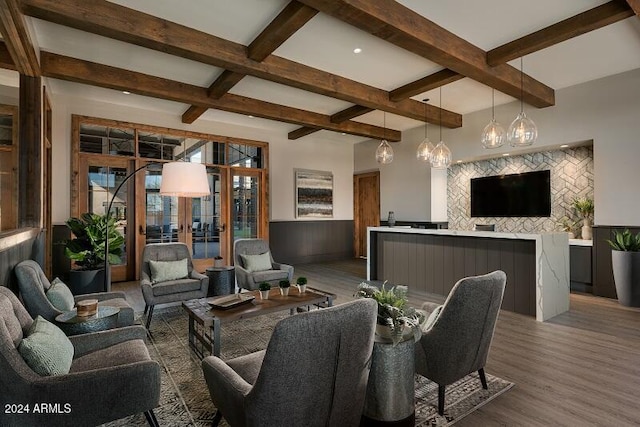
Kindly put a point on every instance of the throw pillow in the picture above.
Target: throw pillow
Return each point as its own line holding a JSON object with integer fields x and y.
{"x": 253, "y": 263}
{"x": 46, "y": 349}
{"x": 60, "y": 296}
{"x": 432, "y": 318}
{"x": 162, "y": 271}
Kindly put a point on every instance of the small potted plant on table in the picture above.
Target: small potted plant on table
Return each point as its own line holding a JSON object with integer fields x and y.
{"x": 284, "y": 287}
{"x": 625, "y": 261}
{"x": 584, "y": 208}
{"x": 302, "y": 284}
{"x": 264, "y": 290}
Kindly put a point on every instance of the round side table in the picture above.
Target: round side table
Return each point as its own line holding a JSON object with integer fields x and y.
{"x": 72, "y": 324}
{"x": 222, "y": 280}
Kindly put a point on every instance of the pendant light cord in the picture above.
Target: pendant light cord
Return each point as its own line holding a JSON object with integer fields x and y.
{"x": 493, "y": 104}
{"x": 521, "y": 86}
{"x": 426, "y": 131}
{"x": 440, "y": 113}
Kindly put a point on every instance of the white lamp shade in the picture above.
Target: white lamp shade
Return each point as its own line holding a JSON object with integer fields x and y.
{"x": 184, "y": 179}
{"x": 384, "y": 153}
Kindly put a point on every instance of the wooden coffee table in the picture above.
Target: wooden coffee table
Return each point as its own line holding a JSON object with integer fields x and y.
{"x": 210, "y": 320}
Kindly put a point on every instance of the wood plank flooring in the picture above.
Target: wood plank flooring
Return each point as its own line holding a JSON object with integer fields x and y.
{"x": 581, "y": 368}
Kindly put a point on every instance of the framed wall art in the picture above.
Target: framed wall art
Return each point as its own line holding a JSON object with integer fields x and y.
{"x": 314, "y": 194}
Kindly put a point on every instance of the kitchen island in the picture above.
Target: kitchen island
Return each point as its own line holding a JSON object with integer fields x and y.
{"x": 431, "y": 261}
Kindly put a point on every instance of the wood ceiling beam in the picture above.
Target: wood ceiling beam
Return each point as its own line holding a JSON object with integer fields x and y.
{"x": 592, "y": 19}
{"x": 5, "y": 58}
{"x": 339, "y": 117}
{"x": 291, "y": 19}
{"x": 397, "y": 24}
{"x": 131, "y": 26}
{"x": 635, "y": 5}
{"x": 80, "y": 71}
{"x": 288, "y": 21}
{"x": 14, "y": 32}
{"x": 427, "y": 83}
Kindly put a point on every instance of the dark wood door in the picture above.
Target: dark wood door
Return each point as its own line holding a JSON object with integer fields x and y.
{"x": 366, "y": 208}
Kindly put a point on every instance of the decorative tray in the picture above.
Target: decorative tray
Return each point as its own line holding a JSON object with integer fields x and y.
{"x": 230, "y": 301}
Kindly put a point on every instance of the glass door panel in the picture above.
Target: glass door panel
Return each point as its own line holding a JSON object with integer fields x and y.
{"x": 206, "y": 221}
{"x": 246, "y": 206}
{"x": 161, "y": 213}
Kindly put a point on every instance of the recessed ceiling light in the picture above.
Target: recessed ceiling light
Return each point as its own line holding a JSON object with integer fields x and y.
{"x": 126, "y": 92}
{"x": 343, "y": 133}
{"x": 357, "y": 50}
{"x": 458, "y": 161}
{"x": 250, "y": 116}
{"x": 505, "y": 154}
{"x": 564, "y": 146}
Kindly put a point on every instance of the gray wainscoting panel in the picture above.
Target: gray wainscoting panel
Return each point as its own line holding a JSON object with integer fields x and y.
{"x": 433, "y": 264}
{"x": 302, "y": 242}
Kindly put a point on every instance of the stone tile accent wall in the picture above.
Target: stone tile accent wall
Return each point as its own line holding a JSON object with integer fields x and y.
{"x": 571, "y": 177}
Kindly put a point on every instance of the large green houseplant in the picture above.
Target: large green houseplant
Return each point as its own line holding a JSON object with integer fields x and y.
{"x": 625, "y": 262}
{"x": 396, "y": 319}
{"x": 86, "y": 249}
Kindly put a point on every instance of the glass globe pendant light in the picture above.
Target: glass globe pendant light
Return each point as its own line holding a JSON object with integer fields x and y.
{"x": 493, "y": 135}
{"x": 384, "y": 152}
{"x": 441, "y": 155}
{"x": 522, "y": 131}
{"x": 426, "y": 146}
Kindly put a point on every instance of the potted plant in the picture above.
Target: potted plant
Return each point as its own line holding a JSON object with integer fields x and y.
{"x": 284, "y": 287}
{"x": 568, "y": 225}
{"x": 625, "y": 261}
{"x": 396, "y": 320}
{"x": 264, "y": 290}
{"x": 218, "y": 261}
{"x": 302, "y": 284}
{"x": 584, "y": 208}
{"x": 86, "y": 249}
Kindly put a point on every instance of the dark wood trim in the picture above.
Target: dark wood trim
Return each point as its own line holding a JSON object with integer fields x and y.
{"x": 339, "y": 117}
{"x": 224, "y": 83}
{"x": 106, "y": 19}
{"x": 300, "y": 132}
{"x": 359, "y": 231}
{"x": 5, "y": 58}
{"x": 397, "y": 24}
{"x": 598, "y": 17}
{"x": 16, "y": 36}
{"x": 76, "y": 70}
{"x": 30, "y": 152}
{"x": 425, "y": 84}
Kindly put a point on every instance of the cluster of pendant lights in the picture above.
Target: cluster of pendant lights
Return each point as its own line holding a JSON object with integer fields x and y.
{"x": 439, "y": 156}
{"x": 522, "y": 133}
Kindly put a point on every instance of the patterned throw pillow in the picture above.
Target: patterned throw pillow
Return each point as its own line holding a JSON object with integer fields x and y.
{"x": 46, "y": 349}
{"x": 253, "y": 263}
{"x": 162, "y": 271}
{"x": 60, "y": 296}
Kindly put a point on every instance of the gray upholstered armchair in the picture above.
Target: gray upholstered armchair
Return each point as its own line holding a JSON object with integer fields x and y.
{"x": 111, "y": 375}
{"x": 33, "y": 285}
{"x": 457, "y": 344}
{"x": 251, "y": 279}
{"x": 193, "y": 285}
{"x": 314, "y": 371}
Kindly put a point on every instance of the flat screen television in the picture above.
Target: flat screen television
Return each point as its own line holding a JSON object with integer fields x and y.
{"x": 516, "y": 195}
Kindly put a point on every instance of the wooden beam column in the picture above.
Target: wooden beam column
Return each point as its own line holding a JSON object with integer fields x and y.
{"x": 30, "y": 155}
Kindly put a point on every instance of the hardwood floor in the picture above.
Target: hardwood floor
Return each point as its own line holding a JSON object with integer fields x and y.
{"x": 578, "y": 369}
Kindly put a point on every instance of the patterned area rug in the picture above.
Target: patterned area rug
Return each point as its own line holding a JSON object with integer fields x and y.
{"x": 184, "y": 397}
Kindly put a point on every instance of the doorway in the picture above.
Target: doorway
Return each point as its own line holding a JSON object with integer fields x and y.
{"x": 366, "y": 208}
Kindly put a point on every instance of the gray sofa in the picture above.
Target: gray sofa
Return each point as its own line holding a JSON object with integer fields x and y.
{"x": 192, "y": 287}
{"x": 33, "y": 284}
{"x": 314, "y": 371}
{"x": 251, "y": 281}
{"x": 111, "y": 376}
{"x": 457, "y": 344}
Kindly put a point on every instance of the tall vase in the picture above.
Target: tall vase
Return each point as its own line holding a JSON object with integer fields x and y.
{"x": 391, "y": 221}
{"x": 587, "y": 231}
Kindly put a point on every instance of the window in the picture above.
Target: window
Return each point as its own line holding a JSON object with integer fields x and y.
{"x": 8, "y": 168}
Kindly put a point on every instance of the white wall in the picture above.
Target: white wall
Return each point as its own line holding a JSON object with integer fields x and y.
{"x": 405, "y": 183}
{"x": 606, "y": 111}
{"x": 310, "y": 152}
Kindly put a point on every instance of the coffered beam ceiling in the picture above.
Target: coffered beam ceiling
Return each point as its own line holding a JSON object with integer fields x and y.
{"x": 5, "y": 58}
{"x": 635, "y": 5}
{"x": 14, "y": 32}
{"x": 397, "y": 24}
{"x": 79, "y": 71}
{"x": 288, "y": 21}
{"x": 339, "y": 117}
{"x": 131, "y": 26}
{"x": 592, "y": 19}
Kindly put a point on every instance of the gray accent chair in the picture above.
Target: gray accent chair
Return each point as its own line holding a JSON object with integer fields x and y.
{"x": 33, "y": 284}
{"x": 193, "y": 287}
{"x": 251, "y": 281}
{"x": 111, "y": 376}
{"x": 314, "y": 371}
{"x": 457, "y": 344}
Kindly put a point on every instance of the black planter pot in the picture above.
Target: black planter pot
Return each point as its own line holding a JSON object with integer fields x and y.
{"x": 626, "y": 274}
{"x": 86, "y": 281}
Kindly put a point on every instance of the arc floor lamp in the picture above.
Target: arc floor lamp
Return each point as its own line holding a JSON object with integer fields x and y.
{"x": 181, "y": 179}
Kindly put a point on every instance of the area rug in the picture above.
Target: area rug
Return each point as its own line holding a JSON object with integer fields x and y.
{"x": 184, "y": 397}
